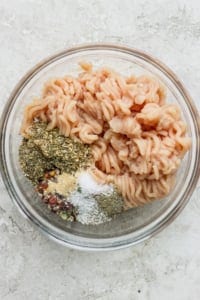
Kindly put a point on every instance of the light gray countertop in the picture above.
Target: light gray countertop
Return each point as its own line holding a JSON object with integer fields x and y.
{"x": 168, "y": 265}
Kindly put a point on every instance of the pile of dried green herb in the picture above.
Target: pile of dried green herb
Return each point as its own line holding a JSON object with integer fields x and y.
{"x": 32, "y": 161}
{"x": 48, "y": 149}
{"x": 111, "y": 204}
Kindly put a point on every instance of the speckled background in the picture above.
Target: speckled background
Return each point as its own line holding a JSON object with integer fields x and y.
{"x": 165, "y": 267}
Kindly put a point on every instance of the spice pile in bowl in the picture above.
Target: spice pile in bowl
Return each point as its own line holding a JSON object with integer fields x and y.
{"x": 64, "y": 185}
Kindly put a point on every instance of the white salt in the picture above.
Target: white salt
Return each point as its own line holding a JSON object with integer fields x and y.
{"x": 89, "y": 185}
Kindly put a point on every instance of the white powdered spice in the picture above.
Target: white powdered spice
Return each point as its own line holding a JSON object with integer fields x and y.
{"x": 90, "y": 186}
{"x": 88, "y": 210}
{"x": 64, "y": 185}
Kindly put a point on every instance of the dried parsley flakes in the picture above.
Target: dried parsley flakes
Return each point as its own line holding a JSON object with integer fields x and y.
{"x": 48, "y": 149}
{"x": 111, "y": 204}
{"x": 32, "y": 161}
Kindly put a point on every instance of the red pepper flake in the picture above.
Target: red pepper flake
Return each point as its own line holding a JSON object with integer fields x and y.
{"x": 53, "y": 200}
{"x": 42, "y": 186}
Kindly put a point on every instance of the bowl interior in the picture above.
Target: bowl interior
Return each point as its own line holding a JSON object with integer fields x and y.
{"x": 135, "y": 221}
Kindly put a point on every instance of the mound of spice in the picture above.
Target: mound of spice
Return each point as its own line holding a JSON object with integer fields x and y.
{"x": 88, "y": 211}
{"x": 56, "y": 202}
{"x": 48, "y": 149}
{"x": 111, "y": 204}
{"x": 59, "y": 205}
{"x": 63, "y": 184}
{"x": 32, "y": 161}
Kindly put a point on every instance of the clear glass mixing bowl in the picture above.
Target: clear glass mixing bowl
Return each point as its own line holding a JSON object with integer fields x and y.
{"x": 132, "y": 226}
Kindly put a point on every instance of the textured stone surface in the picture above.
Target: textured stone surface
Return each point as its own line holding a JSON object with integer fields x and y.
{"x": 165, "y": 267}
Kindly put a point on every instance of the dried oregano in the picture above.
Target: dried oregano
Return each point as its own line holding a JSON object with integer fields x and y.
{"x": 111, "y": 204}
{"x": 32, "y": 161}
{"x": 48, "y": 149}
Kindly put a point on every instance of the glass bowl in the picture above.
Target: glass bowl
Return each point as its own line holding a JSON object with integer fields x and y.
{"x": 132, "y": 226}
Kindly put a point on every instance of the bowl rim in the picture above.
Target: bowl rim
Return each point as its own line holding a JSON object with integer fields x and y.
{"x": 107, "y": 243}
